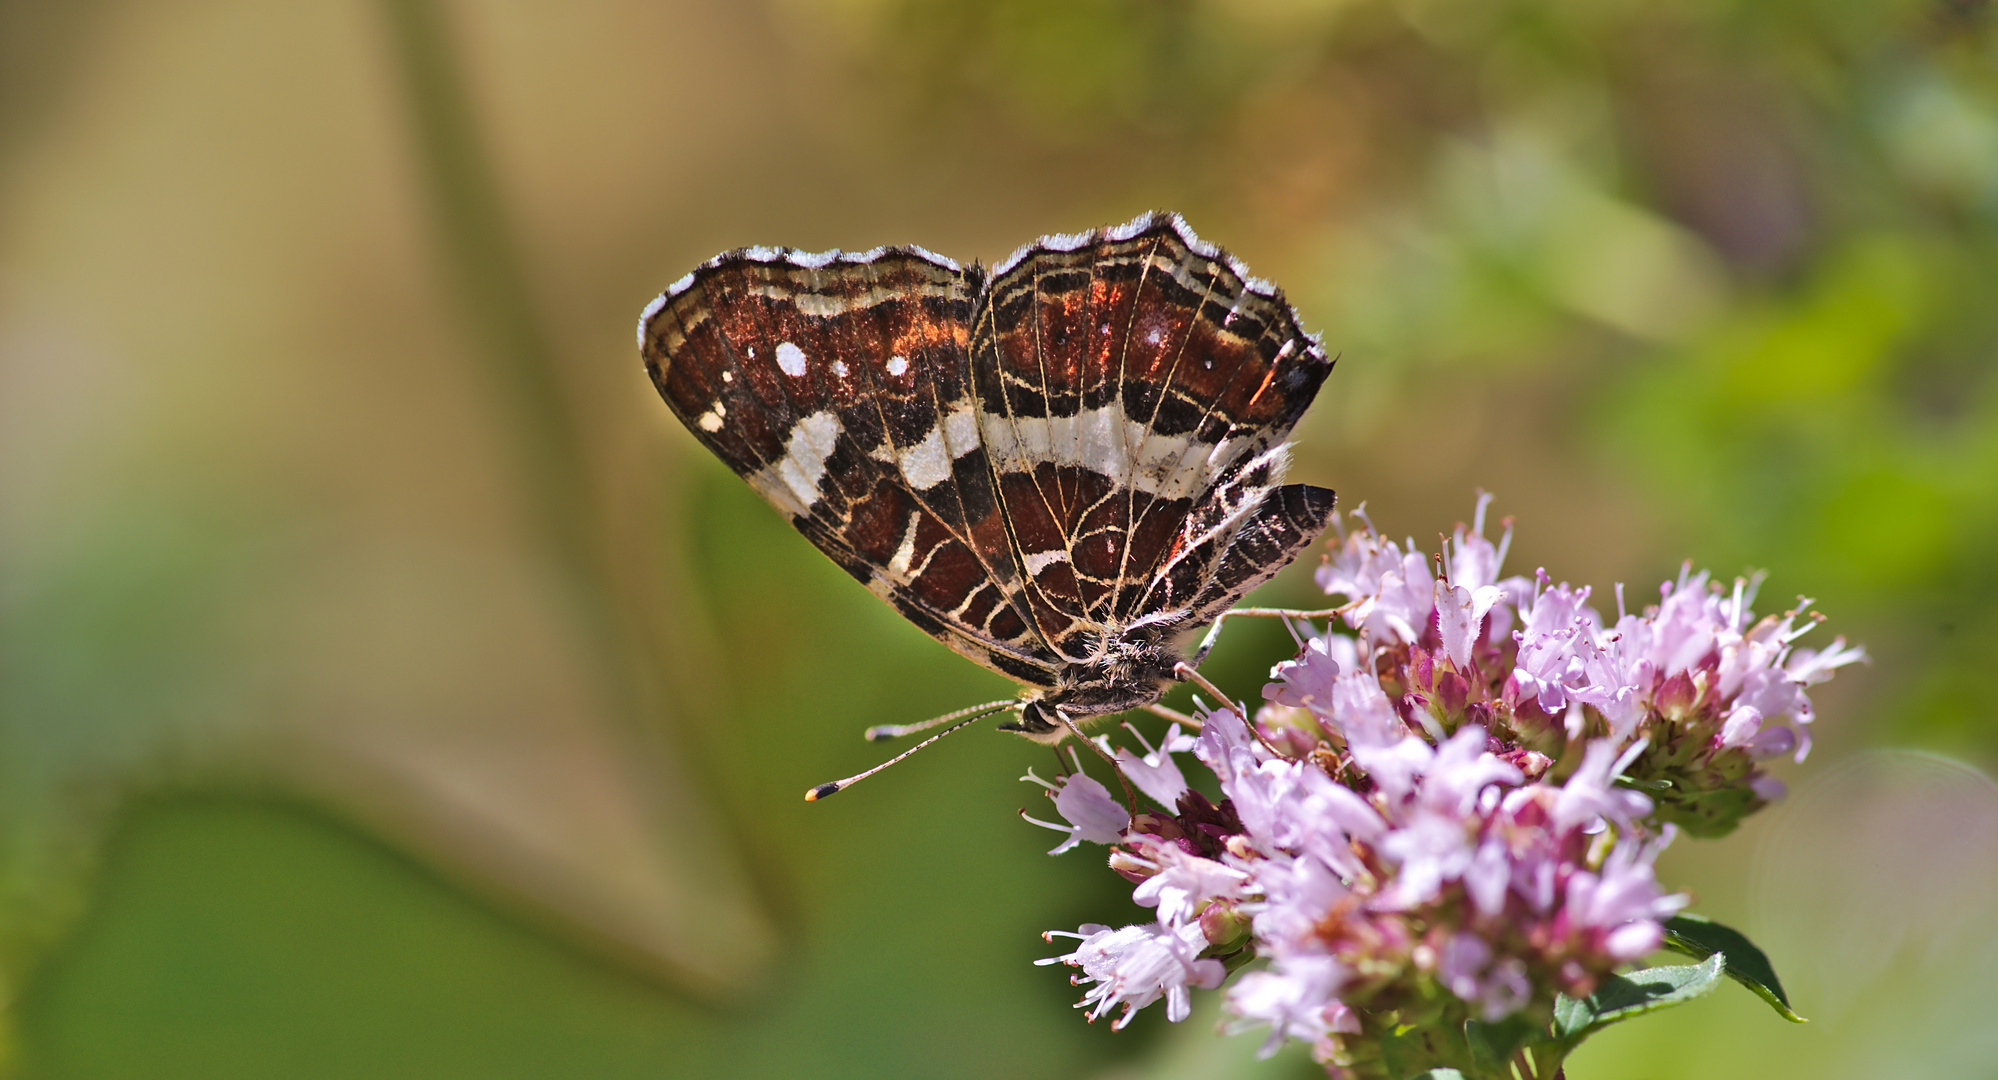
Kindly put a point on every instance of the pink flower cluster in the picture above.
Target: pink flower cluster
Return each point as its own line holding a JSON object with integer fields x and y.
{"x": 1439, "y": 818}
{"x": 1712, "y": 690}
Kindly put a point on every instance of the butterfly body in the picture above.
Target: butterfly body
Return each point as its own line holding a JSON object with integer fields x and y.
{"x": 1061, "y": 470}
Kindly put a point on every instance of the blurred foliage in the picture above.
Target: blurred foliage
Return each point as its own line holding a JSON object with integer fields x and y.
{"x": 1753, "y": 243}
{"x": 355, "y": 494}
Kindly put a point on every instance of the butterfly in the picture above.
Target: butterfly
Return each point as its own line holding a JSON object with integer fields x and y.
{"x": 1061, "y": 468}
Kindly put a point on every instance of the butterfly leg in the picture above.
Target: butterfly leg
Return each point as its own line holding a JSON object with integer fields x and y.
{"x": 1186, "y": 672}
{"x": 1174, "y": 715}
{"x": 1214, "y": 632}
{"x": 1130, "y": 796}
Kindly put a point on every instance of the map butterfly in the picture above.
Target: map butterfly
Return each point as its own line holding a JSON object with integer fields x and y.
{"x": 1060, "y": 468}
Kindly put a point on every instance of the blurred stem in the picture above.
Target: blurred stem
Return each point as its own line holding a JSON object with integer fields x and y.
{"x": 563, "y": 500}
{"x": 490, "y": 281}
{"x": 493, "y": 292}
{"x": 490, "y": 278}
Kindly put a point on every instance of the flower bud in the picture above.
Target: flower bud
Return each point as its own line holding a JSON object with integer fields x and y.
{"x": 1675, "y": 698}
{"x": 1224, "y": 923}
{"x": 1130, "y": 867}
{"x": 1453, "y": 692}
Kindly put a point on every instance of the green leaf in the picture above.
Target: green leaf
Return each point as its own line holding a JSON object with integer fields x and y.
{"x": 1492, "y": 1045}
{"x": 1407, "y": 1047}
{"x": 1700, "y": 937}
{"x": 1621, "y": 997}
{"x": 1572, "y": 1017}
{"x": 1438, "y": 1074}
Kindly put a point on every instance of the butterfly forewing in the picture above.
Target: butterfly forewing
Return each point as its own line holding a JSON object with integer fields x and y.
{"x": 1131, "y": 372}
{"x": 841, "y": 375}
{"x": 1062, "y": 313}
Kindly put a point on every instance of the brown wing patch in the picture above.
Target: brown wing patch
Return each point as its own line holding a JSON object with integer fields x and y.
{"x": 820, "y": 381}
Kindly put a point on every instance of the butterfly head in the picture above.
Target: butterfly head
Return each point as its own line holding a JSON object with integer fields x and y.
{"x": 1126, "y": 669}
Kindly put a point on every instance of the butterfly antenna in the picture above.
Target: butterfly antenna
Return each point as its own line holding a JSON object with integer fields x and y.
{"x": 824, "y": 790}
{"x": 884, "y": 732}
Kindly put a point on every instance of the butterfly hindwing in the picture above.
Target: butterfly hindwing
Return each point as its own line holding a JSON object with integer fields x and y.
{"x": 1284, "y": 522}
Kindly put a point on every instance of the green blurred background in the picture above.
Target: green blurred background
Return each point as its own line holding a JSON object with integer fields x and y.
{"x": 388, "y": 687}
